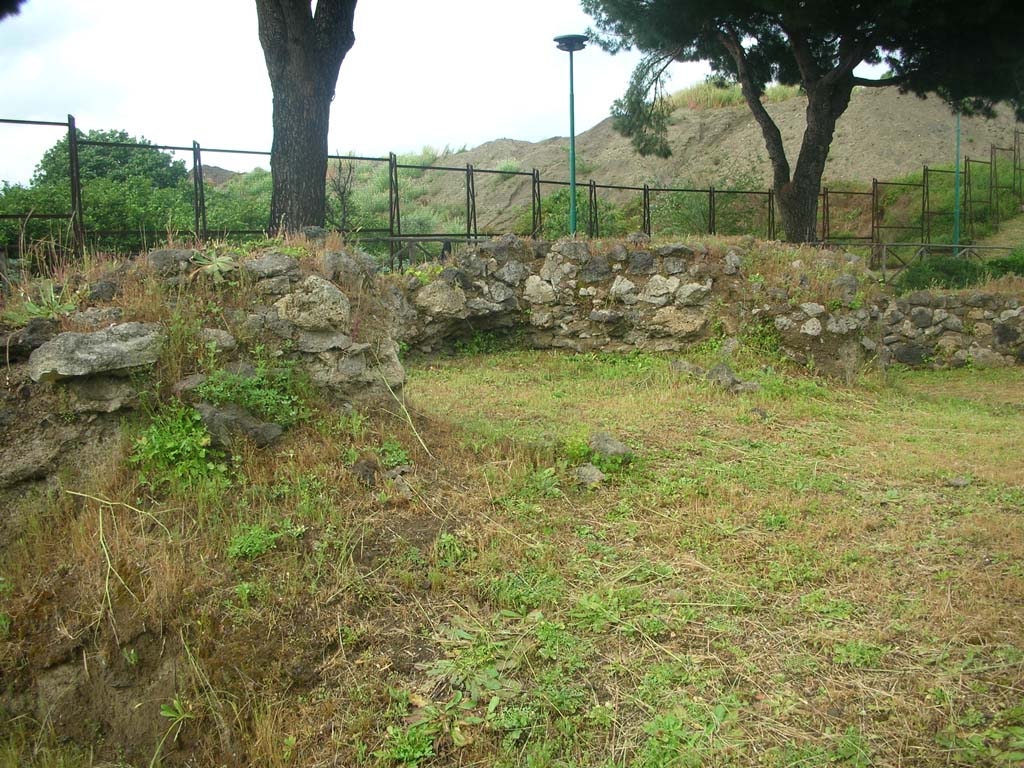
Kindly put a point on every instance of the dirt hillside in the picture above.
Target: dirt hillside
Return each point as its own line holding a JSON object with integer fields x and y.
{"x": 882, "y": 135}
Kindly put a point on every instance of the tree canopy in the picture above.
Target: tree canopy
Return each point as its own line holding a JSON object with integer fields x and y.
{"x": 115, "y": 163}
{"x": 969, "y": 54}
{"x": 137, "y": 190}
{"x": 10, "y": 7}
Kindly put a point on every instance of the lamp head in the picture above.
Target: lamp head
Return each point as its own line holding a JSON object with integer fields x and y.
{"x": 571, "y": 43}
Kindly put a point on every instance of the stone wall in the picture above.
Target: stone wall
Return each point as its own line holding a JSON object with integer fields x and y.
{"x": 980, "y": 329}
{"x": 572, "y": 296}
{"x": 582, "y": 297}
{"x": 343, "y": 324}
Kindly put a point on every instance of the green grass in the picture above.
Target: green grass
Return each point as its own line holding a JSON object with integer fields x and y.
{"x": 780, "y": 578}
{"x": 709, "y": 95}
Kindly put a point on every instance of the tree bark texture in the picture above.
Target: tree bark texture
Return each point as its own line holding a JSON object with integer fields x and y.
{"x": 303, "y": 51}
{"x": 828, "y": 96}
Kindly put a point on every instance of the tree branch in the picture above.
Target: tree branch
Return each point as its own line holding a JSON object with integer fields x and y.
{"x": 804, "y": 58}
{"x": 883, "y": 83}
{"x": 752, "y": 94}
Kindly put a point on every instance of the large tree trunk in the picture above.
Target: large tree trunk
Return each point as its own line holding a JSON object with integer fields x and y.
{"x": 828, "y": 96}
{"x": 298, "y": 156}
{"x": 798, "y": 197}
{"x": 303, "y": 52}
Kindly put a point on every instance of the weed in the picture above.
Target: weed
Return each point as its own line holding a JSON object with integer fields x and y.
{"x": 174, "y": 451}
{"x": 178, "y": 713}
{"x": 858, "y": 654}
{"x": 425, "y": 273}
{"x": 214, "y": 265}
{"x": 271, "y": 394}
{"x": 252, "y": 541}
{"x": 775, "y": 521}
{"x": 50, "y": 305}
{"x": 482, "y": 342}
{"x": 450, "y": 551}
{"x": 392, "y": 454}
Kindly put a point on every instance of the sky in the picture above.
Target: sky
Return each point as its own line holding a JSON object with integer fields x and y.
{"x": 445, "y": 73}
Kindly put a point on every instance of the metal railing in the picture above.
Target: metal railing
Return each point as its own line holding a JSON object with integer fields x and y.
{"x": 717, "y": 211}
{"x": 893, "y": 258}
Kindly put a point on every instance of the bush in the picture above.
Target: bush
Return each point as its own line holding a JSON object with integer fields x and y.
{"x": 251, "y": 541}
{"x": 611, "y": 220}
{"x": 956, "y": 271}
{"x": 1011, "y": 265}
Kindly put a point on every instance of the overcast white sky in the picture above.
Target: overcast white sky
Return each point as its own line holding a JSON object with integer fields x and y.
{"x": 449, "y": 72}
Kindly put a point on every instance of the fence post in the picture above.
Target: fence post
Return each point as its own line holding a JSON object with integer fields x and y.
{"x": 993, "y": 186}
{"x": 538, "y": 216}
{"x": 1016, "y": 166}
{"x": 824, "y": 215}
{"x": 470, "y": 203}
{"x": 593, "y": 225}
{"x": 646, "y": 224}
{"x": 968, "y": 197}
{"x": 926, "y": 207}
{"x": 77, "y": 225}
{"x": 199, "y": 192}
{"x": 711, "y": 210}
{"x": 394, "y": 211}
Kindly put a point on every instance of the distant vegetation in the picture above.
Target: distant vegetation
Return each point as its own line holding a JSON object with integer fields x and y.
{"x": 137, "y": 190}
{"x": 713, "y": 94}
{"x": 147, "y": 194}
{"x": 957, "y": 272}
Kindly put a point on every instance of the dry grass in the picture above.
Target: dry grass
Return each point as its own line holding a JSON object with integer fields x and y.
{"x": 810, "y": 575}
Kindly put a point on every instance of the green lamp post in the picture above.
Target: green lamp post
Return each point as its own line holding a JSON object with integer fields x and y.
{"x": 571, "y": 44}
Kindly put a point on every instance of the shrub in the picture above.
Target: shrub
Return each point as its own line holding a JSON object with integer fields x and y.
{"x": 611, "y": 219}
{"x": 1011, "y": 265}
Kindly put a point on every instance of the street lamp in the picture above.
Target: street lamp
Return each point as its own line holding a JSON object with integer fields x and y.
{"x": 572, "y": 43}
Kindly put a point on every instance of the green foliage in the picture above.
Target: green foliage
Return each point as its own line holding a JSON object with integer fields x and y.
{"x": 425, "y": 273}
{"x": 489, "y": 342}
{"x": 612, "y": 221}
{"x": 859, "y": 654}
{"x": 252, "y": 541}
{"x": 243, "y": 202}
{"x": 49, "y": 304}
{"x": 214, "y": 264}
{"x": 510, "y": 166}
{"x": 392, "y": 454}
{"x": 715, "y": 93}
{"x": 135, "y": 189}
{"x": 956, "y": 271}
{"x": 409, "y": 746}
{"x": 642, "y": 114}
{"x": 272, "y": 393}
{"x": 118, "y": 164}
{"x": 450, "y": 551}
{"x": 174, "y": 451}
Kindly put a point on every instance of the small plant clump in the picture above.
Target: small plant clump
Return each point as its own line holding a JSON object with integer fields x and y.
{"x": 174, "y": 453}
{"x": 270, "y": 393}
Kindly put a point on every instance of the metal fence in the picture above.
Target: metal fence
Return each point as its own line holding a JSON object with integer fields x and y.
{"x": 847, "y": 217}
